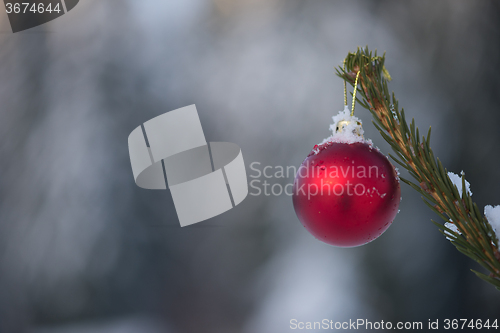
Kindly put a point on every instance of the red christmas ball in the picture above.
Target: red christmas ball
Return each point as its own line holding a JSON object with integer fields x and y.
{"x": 346, "y": 194}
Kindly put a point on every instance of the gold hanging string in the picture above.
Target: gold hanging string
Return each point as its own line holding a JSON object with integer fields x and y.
{"x": 345, "y": 89}
{"x": 354, "y": 93}
{"x": 384, "y": 71}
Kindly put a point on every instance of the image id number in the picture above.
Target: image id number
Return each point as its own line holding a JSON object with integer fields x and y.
{"x": 26, "y": 7}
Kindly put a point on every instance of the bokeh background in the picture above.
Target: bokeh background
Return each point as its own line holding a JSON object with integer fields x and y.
{"x": 82, "y": 249}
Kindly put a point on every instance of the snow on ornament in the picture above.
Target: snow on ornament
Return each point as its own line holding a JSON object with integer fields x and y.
{"x": 346, "y": 192}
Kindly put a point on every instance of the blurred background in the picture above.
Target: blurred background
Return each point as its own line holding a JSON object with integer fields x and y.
{"x": 83, "y": 249}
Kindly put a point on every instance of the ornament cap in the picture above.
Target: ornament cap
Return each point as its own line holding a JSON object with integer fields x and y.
{"x": 346, "y": 128}
{"x": 345, "y": 125}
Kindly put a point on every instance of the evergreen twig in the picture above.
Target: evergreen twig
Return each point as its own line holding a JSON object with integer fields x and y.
{"x": 476, "y": 238}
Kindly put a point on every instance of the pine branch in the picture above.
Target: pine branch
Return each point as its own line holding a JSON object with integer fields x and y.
{"x": 476, "y": 237}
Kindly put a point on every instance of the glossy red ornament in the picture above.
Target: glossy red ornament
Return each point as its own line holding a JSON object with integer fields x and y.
{"x": 346, "y": 194}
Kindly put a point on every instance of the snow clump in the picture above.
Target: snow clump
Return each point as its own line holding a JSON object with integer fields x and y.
{"x": 493, "y": 216}
{"x": 457, "y": 180}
